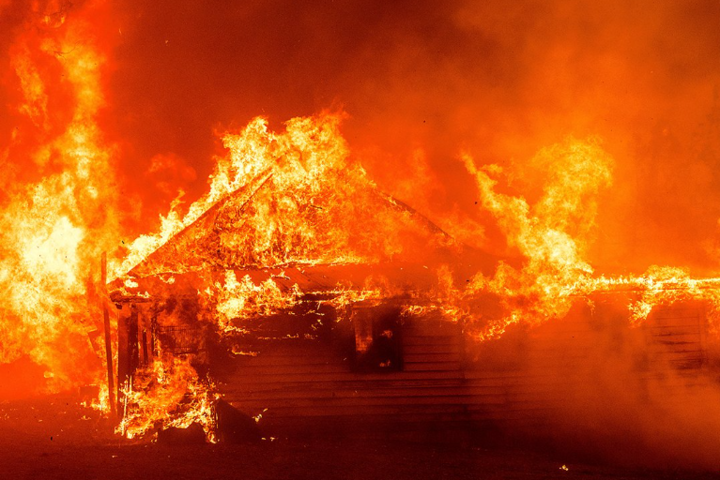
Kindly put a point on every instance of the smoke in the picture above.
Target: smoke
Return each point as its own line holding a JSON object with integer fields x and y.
{"x": 498, "y": 81}
{"x": 592, "y": 389}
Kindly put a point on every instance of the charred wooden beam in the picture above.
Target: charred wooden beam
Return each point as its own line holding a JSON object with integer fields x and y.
{"x": 128, "y": 352}
{"x": 108, "y": 340}
{"x": 119, "y": 298}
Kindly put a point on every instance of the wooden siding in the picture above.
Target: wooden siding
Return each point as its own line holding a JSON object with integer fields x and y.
{"x": 677, "y": 335}
{"x": 583, "y": 361}
{"x": 522, "y": 379}
{"x": 309, "y": 379}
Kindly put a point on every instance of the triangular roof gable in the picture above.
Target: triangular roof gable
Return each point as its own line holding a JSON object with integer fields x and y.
{"x": 225, "y": 237}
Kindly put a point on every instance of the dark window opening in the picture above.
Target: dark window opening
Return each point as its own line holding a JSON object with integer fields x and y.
{"x": 378, "y": 343}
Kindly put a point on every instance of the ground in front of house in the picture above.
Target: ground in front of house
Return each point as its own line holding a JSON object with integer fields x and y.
{"x": 55, "y": 438}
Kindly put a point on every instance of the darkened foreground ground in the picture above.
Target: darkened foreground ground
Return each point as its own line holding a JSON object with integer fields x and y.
{"x": 53, "y": 438}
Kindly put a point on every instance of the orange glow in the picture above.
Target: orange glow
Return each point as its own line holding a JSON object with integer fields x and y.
{"x": 167, "y": 394}
{"x": 551, "y": 235}
{"x": 497, "y": 166}
{"x": 52, "y": 231}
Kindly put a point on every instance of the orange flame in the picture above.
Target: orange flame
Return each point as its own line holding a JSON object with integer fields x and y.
{"x": 168, "y": 393}
{"x": 551, "y": 235}
{"x": 52, "y": 231}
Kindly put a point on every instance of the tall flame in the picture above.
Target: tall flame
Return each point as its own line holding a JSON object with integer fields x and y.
{"x": 53, "y": 230}
{"x": 296, "y": 197}
{"x": 552, "y": 235}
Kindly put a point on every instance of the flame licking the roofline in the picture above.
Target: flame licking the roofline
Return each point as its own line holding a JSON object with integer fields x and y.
{"x": 553, "y": 235}
{"x": 300, "y": 199}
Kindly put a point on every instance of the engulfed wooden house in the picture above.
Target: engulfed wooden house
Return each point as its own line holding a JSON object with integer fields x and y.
{"x": 529, "y": 380}
{"x": 338, "y": 358}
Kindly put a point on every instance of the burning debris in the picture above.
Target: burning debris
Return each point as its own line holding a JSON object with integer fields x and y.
{"x": 166, "y": 394}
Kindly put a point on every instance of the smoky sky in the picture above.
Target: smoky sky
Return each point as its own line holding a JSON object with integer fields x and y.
{"x": 422, "y": 81}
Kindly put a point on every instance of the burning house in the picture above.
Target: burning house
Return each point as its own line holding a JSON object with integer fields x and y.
{"x": 307, "y": 280}
{"x": 307, "y": 293}
{"x": 513, "y": 231}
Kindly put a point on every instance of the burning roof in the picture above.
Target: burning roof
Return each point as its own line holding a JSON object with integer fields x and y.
{"x": 290, "y": 198}
{"x": 237, "y": 233}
